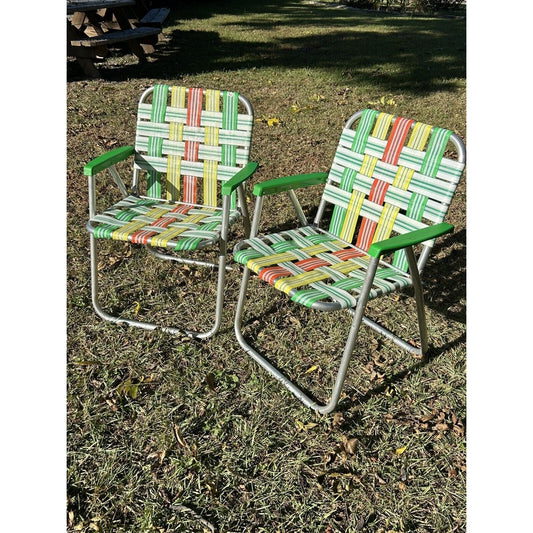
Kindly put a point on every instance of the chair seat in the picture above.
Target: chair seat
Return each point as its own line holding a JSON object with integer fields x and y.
{"x": 175, "y": 226}
{"x": 317, "y": 269}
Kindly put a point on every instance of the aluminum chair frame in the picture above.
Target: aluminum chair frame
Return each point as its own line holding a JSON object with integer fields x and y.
{"x": 376, "y": 251}
{"x": 236, "y": 183}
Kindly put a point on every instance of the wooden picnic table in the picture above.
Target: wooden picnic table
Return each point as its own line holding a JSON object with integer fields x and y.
{"x": 95, "y": 25}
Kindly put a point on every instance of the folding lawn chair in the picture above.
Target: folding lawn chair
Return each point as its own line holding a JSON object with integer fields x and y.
{"x": 389, "y": 188}
{"x": 190, "y": 163}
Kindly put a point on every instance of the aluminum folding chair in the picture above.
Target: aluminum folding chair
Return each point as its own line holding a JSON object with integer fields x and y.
{"x": 190, "y": 164}
{"x": 388, "y": 190}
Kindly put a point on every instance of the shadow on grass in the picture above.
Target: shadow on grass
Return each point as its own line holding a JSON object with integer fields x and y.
{"x": 417, "y": 55}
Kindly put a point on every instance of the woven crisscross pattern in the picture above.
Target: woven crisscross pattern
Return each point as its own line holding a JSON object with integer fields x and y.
{"x": 188, "y": 142}
{"x": 388, "y": 177}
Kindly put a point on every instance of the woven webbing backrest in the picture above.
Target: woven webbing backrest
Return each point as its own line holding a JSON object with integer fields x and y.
{"x": 389, "y": 176}
{"x": 189, "y": 141}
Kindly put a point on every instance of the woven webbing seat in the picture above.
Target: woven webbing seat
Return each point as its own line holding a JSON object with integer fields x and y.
{"x": 388, "y": 190}
{"x": 330, "y": 267}
{"x": 160, "y": 224}
{"x": 190, "y": 164}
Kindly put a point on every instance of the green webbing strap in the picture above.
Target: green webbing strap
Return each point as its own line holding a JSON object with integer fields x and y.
{"x": 430, "y": 166}
{"x": 230, "y": 109}
{"x": 435, "y": 151}
{"x": 348, "y": 176}
{"x": 155, "y": 144}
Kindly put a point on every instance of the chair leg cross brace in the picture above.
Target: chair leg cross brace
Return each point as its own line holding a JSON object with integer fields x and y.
{"x": 358, "y": 319}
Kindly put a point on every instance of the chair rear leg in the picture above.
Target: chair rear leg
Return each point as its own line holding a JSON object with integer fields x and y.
{"x": 421, "y": 350}
{"x": 419, "y": 298}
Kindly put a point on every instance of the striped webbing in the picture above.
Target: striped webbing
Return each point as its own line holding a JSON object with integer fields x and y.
{"x": 187, "y": 134}
{"x": 312, "y": 267}
{"x": 155, "y": 223}
{"x": 389, "y": 176}
{"x": 182, "y": 135}
{"x": 385, "y": 180}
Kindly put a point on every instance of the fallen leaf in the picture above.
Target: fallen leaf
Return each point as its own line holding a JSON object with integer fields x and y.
{"x": 128, "y": 388}
{"x": 338, "y": 419}
{"x": 399, "y": 451}
{"x": 381, "y": 481}
{"x": 349, "y": 445}
{"x": 427, "y": 418}
{"x": 304, "y": 427}
{"x": 157, "y": 455}
{"x": 311, "y": 369}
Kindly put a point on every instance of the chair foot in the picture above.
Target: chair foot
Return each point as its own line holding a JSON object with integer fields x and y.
{"x": 149, "y": 326}
{"x": 284, "y": 380}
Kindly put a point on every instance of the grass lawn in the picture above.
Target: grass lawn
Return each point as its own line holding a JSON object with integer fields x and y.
{"x": 210, "y": 442}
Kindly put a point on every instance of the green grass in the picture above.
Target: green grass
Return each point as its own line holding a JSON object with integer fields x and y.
{"x": 209, "y": 439}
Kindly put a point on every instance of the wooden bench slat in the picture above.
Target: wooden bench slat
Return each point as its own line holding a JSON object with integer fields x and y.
{"x": 116, "y": 36}
{"x": 104, "y": 4}
{"x": 155, "y": 16}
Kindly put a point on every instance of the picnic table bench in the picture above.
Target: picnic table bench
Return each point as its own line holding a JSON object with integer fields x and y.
{"x": 155, "y": 17}
{"x": 95, "y": 25}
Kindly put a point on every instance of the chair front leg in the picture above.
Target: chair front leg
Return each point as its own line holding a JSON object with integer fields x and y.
{"x": 149, "y": 325}
{"x": 347, "y": 352}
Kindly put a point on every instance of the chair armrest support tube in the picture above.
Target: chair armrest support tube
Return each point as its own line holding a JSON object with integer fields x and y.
{"x": 297, "y": 207}
{"x": 288, "y": 183}
{"x": 409, "y": 239}
{"x": 229, "y": 186}
{"x": 108, "y": 159}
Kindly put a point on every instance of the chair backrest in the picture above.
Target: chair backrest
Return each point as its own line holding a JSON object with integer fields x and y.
{"x": 389, "y": 176}
{"x": 189, "y": 141}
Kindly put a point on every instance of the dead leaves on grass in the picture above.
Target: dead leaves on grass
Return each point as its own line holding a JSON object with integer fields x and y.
{"x": 110, "y": 259}
{"x": 440, "y": 421}
{"x": 443, "y": 421}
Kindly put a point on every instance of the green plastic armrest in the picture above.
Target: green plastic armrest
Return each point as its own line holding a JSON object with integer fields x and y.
{"x": 409, "y": 239}
{"x": 288, "y": 183}
{"x": 229, "y": 186}
{"x": 108, "y": 159}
